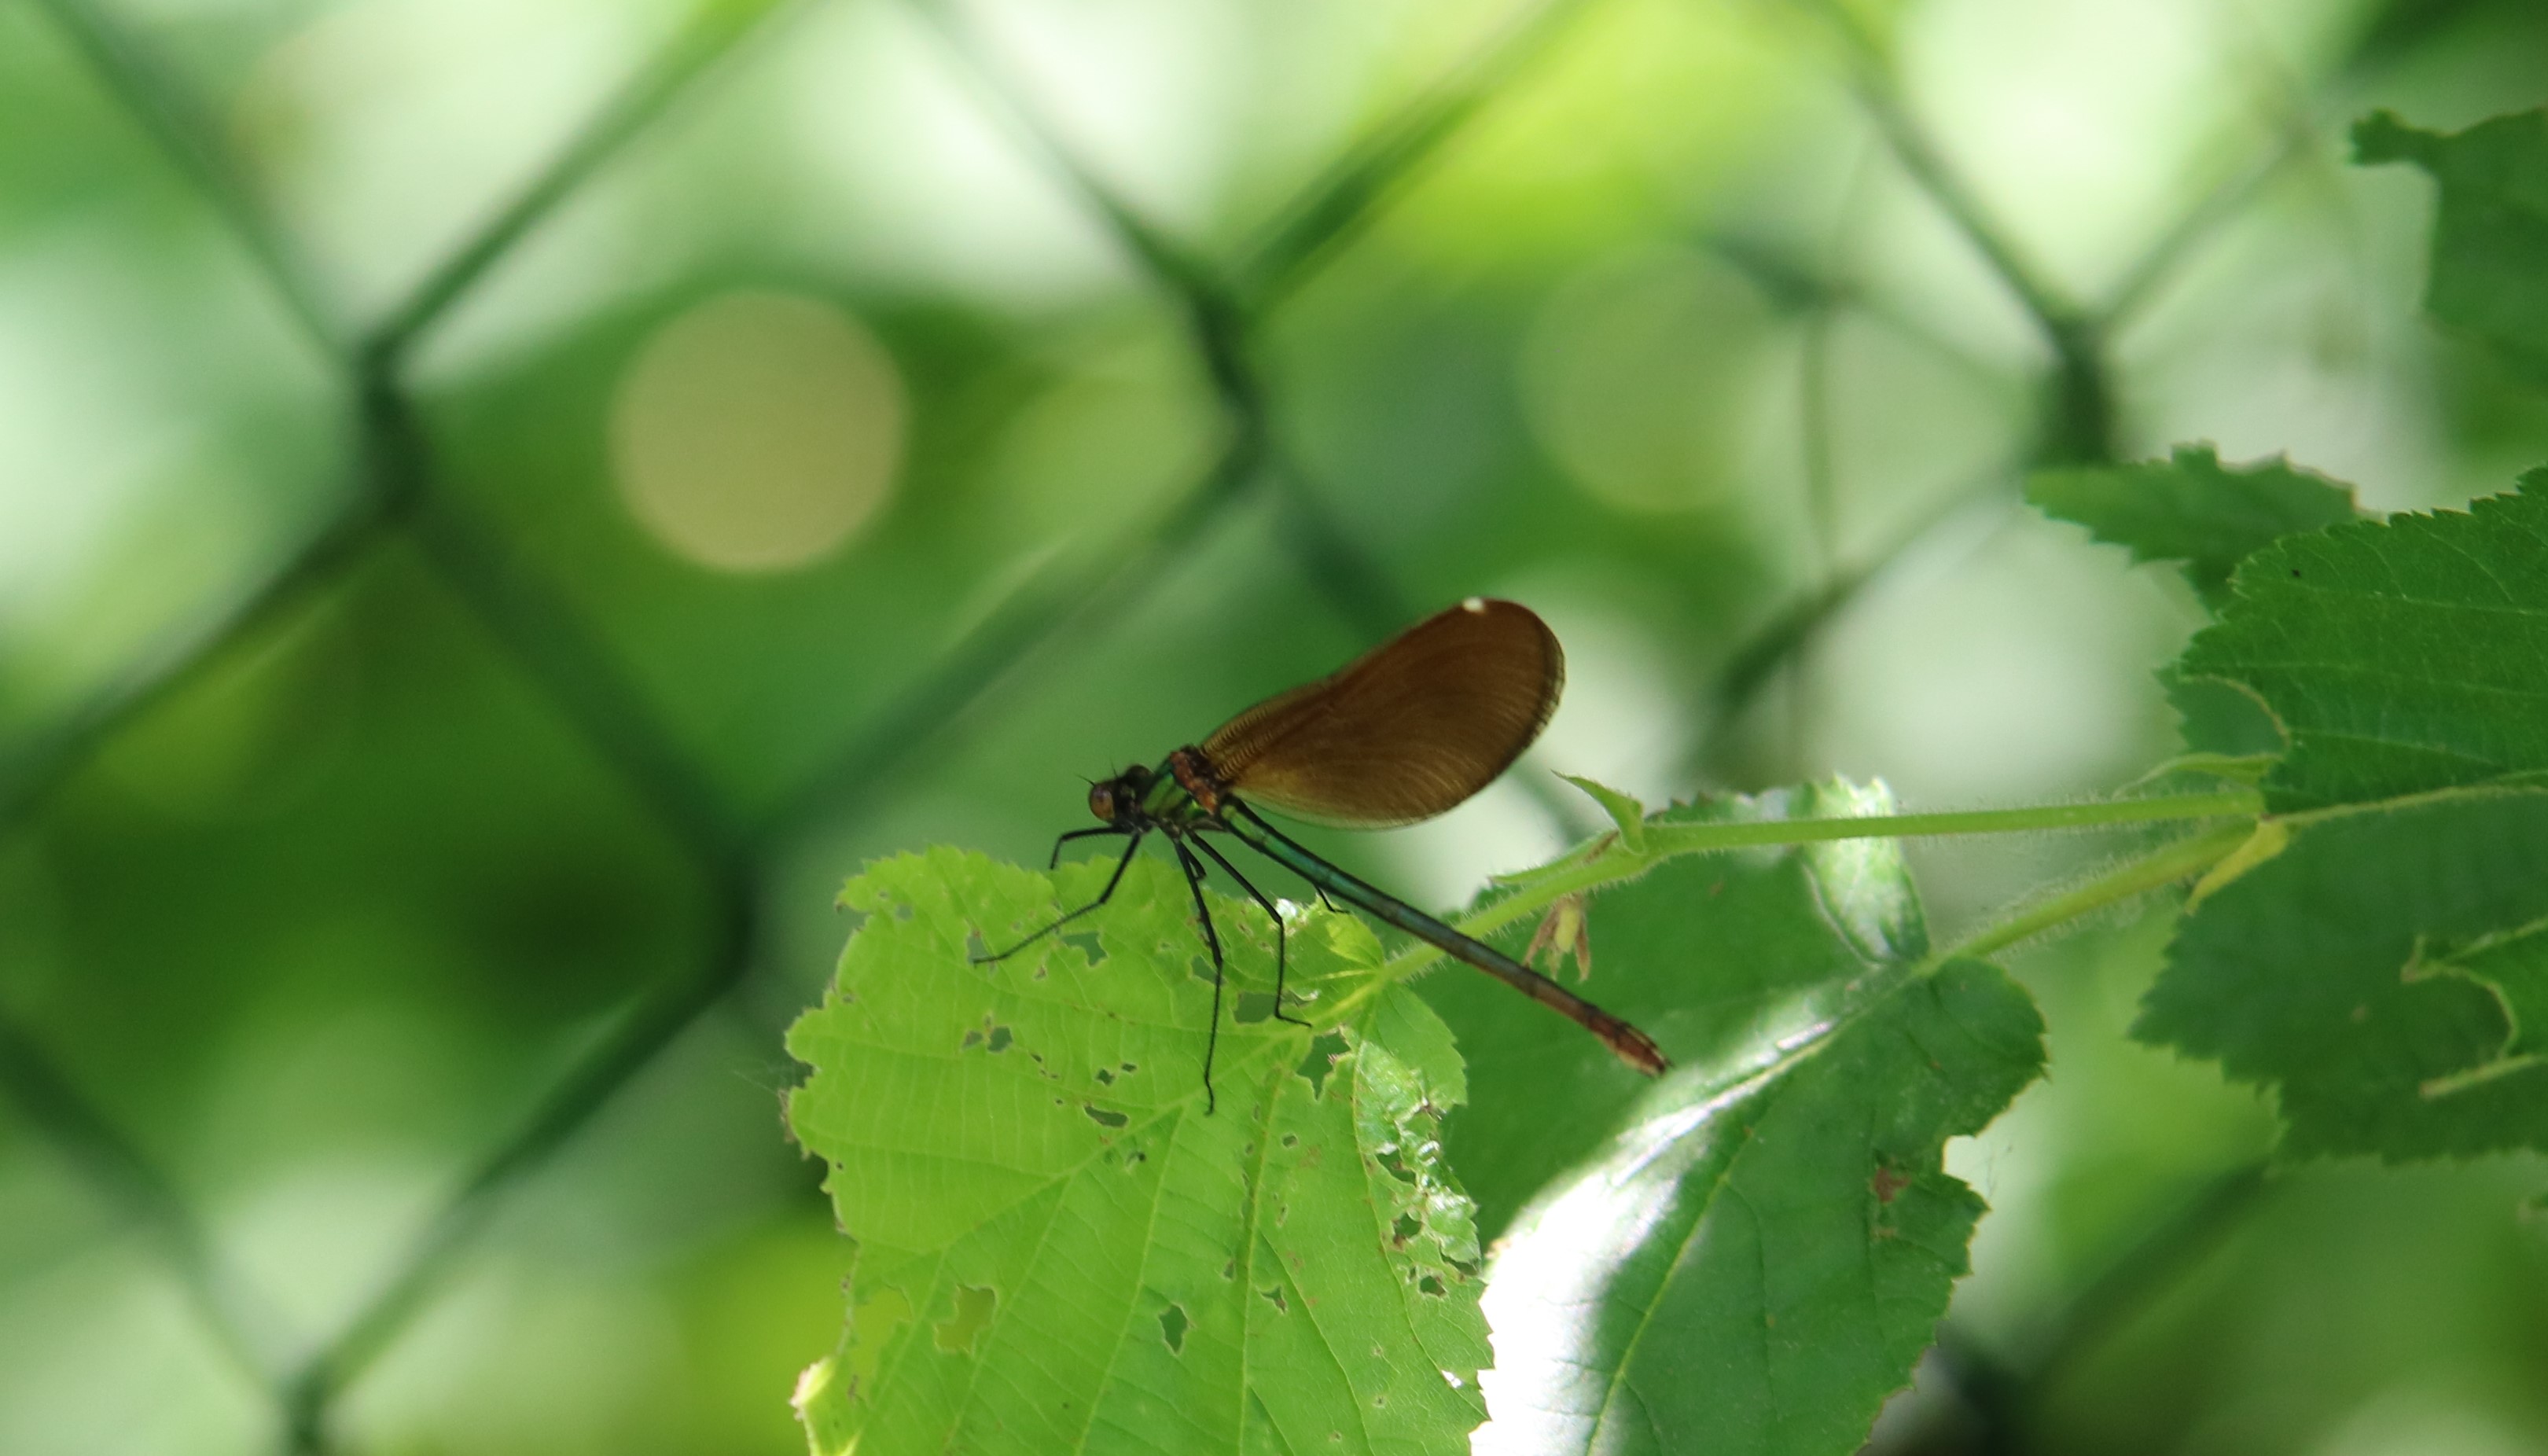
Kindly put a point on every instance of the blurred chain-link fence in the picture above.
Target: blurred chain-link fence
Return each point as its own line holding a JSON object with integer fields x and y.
{"x": 959, "y": 661}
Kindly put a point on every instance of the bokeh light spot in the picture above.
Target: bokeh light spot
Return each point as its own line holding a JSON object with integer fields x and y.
{"x": 758, "y": 431}
{"x": 1643, "y": 378}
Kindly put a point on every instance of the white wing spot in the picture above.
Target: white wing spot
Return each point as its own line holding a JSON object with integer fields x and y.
{"x": 1476, "y": 605}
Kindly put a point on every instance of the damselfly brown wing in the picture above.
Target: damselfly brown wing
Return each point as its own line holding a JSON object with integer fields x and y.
{"x": 1406, "y": 730}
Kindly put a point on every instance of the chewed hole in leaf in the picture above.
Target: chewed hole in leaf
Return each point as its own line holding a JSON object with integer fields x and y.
{"x": 1253, "y": 1006}
{"x": 974, "y": 1307}
{"x": 1432, "y": 1286}
{"x": 1324, "y": 1048}
{"x": 1406, "y": 1228}
{"x": 1103, "y": 1117}
{"x": 1274, "y": 1297}
{"x": 972, "y": 1040}
{"x": 873, "y": 1325}
{"x": 1084, "y": 941}
{"x": 1174, "y": 1325}
{"x": 1000, "y": 1038}
{"x": 1105, "y": 1077}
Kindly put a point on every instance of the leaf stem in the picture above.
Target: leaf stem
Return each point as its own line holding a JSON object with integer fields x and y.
{"x": 2163, "y": 866}
{"x": 2245, "y": 803}
{"x": 1599, "y": 863}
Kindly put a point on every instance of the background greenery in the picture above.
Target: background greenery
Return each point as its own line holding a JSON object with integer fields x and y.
{"x": 503, "y": 505}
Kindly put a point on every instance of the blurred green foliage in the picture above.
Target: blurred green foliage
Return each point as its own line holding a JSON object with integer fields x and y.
{"x": 414, "y": 840}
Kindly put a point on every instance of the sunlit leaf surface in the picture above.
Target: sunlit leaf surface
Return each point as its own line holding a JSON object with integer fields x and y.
{"x": 1061, "y": 1249}
{"x": 1757, "y": 1260}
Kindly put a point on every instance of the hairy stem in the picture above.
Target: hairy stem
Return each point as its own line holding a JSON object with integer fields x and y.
{"x": 1606, "y": 861}
{"x": 2161, "y": 867}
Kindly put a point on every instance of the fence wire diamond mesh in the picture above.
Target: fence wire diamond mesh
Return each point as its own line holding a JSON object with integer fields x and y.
{"x": 400, "y": 497}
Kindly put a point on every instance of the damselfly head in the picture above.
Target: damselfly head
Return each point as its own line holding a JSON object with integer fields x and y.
{"x": 1114, "y": 798}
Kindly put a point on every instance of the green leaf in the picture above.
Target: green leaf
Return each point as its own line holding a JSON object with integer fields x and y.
{"x": 2490, "y": 230}
{"x": 1708, "y": 952}
{"x": 2512, "y": 967}
{"x": 1623, "y": 809}
{"x": 1820, "y": 1075}
{"x": 1757, "y": 1260}
{"x": 1058, "y": 1249}
{"x": 2384, "y": 973}
{"x": 2398, "y": 656}
{"x": 2224, "y": 719}
{"x": 2372, "y": 958}
{"x": 2193, "y": 510}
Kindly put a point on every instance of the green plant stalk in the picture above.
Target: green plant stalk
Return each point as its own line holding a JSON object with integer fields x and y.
{"x": 1681, "y": 839}
{"x": 2161, "y": 867}
{"x": 1600, "y": 864}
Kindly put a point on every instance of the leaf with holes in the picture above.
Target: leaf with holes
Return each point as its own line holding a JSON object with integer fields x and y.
{"x": 2373, "y": 961}
{"x": 2191, "y": 510}
{"x": 1061, "y": 1249}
